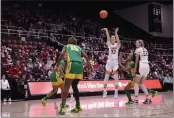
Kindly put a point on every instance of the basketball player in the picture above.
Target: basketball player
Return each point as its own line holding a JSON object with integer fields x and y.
{"x": 56, "y": 44}
{"x": 55, "y": 74}
{"x": 130, "y": 69}
{"x": 113, "y": 44}
{"x": 141, "y": 70}
{"x": 74, "y": 72}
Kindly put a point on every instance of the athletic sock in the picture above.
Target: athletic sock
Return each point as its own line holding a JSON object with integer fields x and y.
{"x": 136, "y": 90}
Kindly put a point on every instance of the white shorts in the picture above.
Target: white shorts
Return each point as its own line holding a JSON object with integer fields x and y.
{"x": 112, "y": 65}
{"x": 144, "y": 69}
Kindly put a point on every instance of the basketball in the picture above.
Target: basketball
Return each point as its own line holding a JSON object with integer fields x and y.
{"x": 103, "y": 14}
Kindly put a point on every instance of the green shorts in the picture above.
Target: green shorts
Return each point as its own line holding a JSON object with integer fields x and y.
{"x": 74, "y": 70}
{"x": 55, "y": 79}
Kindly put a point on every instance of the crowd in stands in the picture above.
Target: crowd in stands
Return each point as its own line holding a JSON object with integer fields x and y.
{"x": 31, "y": 60}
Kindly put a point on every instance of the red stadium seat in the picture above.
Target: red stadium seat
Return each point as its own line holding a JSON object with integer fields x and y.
{"x": 24, "y": 42}
{"x": 25, "y": 46}
{"x": 35, "y": 43}
{"x": 15, "y": 45}
{"x": 9, "y": 41}
{"x": 13, "y": 41}
{"x": 30, "y": 46}
{"x": 40, "y": 43}
{"x": 30, "y": 42}
{"x": 3, "y": 41}
{"x": 19, "y": 42}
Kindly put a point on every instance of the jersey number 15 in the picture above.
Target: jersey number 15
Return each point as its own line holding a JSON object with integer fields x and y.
{"x": 74, "y": 48}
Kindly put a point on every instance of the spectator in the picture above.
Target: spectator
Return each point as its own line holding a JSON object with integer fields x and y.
{"x": 30, "y": 66}
{"x": 6, "y": 92}
{"x": 167, "y": 83}
{"x": 31, "y": 78}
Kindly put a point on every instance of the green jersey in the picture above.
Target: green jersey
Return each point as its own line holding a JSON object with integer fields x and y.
{"x": 73, "y": 53}
{"x": 131, "y": 72}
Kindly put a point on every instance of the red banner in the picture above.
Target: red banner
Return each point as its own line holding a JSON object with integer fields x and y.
{"x": 42, "y": 88}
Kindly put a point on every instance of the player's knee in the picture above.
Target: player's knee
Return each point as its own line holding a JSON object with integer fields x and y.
{"x": 107, "y": 72}
{"x": 115, "y": 71}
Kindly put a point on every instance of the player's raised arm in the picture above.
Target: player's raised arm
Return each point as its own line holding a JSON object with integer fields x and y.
{"x": 61, "y": 56}
{"x": 107, "y": 34}
{"x": 116, "y": 36}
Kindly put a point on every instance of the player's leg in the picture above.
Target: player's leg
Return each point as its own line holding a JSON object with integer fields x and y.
{"x": 71, "y": 73}
{"x": 61, "y": 86}
{"x": 143, "y": 87}
{"x": 78, "y": 77}
{"x": 54, "y": 82}
{"x": 150, "y": 91}
{"x": 137, "y": 79}
{"x": 52, "y": 92}
{"x": 107, "y": 74}
{"x": 154, "y": 93}
{"x": 115, "y": 72}
{"x": 116, "y": 84}
{"x": 71, "y": 94}
{"x": 65, "y": 92}
{"x": 76, "y": 96}
{"x": 127, "y": 91}
{"x": 144, "y": 70}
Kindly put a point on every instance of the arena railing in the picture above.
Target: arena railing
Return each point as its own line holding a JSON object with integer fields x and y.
{"x": 13, "y": 30}
{"x": 12, "y": 27}
{"x": 10, "y": 30}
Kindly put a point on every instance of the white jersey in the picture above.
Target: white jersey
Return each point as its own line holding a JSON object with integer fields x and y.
{"x": 113, "y": 50}
{"x": 143, "y": 54}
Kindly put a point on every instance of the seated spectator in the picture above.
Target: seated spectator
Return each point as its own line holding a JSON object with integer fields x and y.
{"x": 167, "y": 83}
{"x": 6, "y": 92}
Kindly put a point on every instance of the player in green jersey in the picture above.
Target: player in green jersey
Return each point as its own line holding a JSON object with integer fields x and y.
{"x": 55, "y": 74}
{"x": 74, "y": 72}
{"x": 130, "y": 70}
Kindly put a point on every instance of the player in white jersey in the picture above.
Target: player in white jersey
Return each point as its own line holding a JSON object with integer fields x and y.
{"x": 142, "y": 70}
{"x": 113, "y": 44}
